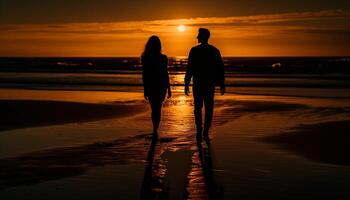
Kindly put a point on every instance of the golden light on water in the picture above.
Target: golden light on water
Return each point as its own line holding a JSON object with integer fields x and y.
{"x": 181, "y": 28}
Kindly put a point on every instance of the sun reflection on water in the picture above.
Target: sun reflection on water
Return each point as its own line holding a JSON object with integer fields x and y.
{"x": 177, "y": 136}
{"x": 178, "y": 116}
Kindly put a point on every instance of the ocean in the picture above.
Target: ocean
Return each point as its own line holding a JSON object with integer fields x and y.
{"x": 302, "y": 76}
{"x": 258, "y": 65}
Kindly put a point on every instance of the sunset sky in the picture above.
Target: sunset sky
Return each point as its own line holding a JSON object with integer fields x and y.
{"x": 121, "y": 28}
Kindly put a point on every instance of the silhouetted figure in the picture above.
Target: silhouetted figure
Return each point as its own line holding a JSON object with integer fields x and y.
{"x": 155, "y": 78}
{"x": 213, "y": 188}
{"x": 152, "y": 187}
{"x": 206, "y": 67}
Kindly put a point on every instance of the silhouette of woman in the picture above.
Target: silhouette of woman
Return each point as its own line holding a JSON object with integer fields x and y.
{"x": 155, "y": 78}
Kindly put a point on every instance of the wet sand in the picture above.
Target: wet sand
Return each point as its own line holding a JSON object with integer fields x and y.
{"x": 257, "y": 145}
{"x": 16, "y": 114}
{"x": 59, "y": 163}
{"x": 326, "y": 142}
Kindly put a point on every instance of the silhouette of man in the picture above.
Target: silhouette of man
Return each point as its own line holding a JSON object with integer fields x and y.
{"x": 206, "y": 67}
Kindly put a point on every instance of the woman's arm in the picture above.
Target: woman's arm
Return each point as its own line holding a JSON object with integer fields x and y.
{"x": 167, "y": 76}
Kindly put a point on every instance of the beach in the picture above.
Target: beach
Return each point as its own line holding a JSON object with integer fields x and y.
{"x": 103, "y": 100}
{"x": 98, "y": 144}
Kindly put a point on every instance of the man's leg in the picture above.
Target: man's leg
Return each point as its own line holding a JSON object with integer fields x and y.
{"x": 209, "y": 109}
{"x": 198, "y": 104}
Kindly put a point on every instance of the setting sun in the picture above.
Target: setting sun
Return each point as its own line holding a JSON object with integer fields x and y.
{"x": 181, "y": 28}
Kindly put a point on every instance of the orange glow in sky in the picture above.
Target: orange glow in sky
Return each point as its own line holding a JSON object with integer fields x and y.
{"x": 321, "y": 33}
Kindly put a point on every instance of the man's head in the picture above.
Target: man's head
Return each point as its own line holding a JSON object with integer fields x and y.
{"x": 203, "y": 35}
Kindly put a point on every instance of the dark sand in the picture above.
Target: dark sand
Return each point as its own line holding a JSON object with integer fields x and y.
{"x": 64, "y": 162}
{"x": 327, "y": 142}
{"x": 17, "y": 114}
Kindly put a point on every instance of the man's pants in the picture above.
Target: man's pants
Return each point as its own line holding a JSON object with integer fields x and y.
{"x": 203, "y": 94}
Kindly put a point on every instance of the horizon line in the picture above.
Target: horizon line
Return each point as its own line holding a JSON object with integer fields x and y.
{"x": 224, "y": 56}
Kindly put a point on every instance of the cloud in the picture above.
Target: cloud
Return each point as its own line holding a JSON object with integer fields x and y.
{"x": 285, "y": 17}
{"x": 163, "y": 25}
{"x": 284, "y": 28}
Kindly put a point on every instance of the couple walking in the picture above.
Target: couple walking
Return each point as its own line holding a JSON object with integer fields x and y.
{"x": 205, "y": 67}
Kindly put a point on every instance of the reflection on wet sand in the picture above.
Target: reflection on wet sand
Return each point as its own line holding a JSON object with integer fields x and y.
{"x": 152, "y": 184}
{"x": 202, "y": 181}
{"x": 181, "y": 168}
{"x": 176, "y": 166}
{"x": 199, "y": 180}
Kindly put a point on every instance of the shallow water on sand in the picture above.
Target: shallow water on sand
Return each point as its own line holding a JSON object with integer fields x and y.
{"x": 116, "y": 158}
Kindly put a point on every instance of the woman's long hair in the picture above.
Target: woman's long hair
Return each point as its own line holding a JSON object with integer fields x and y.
{"x": 153, "y": 47}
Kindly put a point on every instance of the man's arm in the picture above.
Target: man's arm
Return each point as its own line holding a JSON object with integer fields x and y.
{"x": 189, "y": 72}
{"x": 221, "y": 73}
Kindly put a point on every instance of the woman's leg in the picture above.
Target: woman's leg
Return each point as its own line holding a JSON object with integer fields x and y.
{"x": 156, "y": 106}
